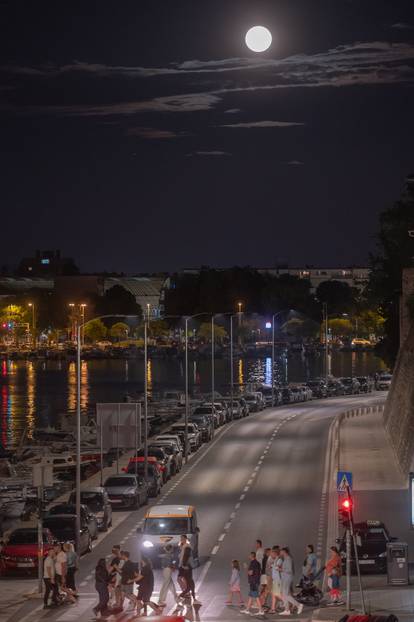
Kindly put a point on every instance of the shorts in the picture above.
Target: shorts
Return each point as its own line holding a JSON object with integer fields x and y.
{"x": 253, "y": 591}
{"x": 276, "y": 588}
{"x": 127, "y": 588}
{"x": 263, "y": 579}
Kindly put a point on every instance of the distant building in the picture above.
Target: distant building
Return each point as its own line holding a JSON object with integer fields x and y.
{"x": 146, "y": 290}
{"x": 47, "y": 264}
{"x": 353, "y": 276}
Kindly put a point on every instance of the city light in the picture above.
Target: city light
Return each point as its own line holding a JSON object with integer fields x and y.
{"x": 268, "y": 324}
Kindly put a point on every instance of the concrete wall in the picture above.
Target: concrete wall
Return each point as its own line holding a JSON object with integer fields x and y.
{"x": 407, "y": 292}
{"x": 399, "y": 407}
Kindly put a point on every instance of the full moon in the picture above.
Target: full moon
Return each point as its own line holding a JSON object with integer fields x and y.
{"x": 258, "y": 39}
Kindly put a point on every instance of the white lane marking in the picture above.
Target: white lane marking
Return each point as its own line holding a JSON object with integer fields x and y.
{"x": 227, "y": 525}
{"x": 214, "y": 550}
{"x": 221, "y": 538}
{"x": 25, "y": 617}
{"x": 232, "y": 515}
{"x": 245, "y": 489}
{"x": 236, "y": 507}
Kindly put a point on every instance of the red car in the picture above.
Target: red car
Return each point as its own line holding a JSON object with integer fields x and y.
{"x": 20, "y": 554}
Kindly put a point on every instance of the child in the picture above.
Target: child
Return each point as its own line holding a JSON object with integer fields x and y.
{"x": 234, "y": 583}
{"x": 334, "y": 588}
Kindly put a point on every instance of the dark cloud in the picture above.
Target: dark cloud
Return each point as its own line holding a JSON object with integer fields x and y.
{"x": 209, "y": 153}
{"x": 151, "y": 133}
{"x": 262, "y": 124}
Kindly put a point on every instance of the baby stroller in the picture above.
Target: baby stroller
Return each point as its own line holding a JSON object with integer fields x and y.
{"x": 310, "y": 594}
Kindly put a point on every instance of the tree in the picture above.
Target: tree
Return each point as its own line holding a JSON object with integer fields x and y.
{"x": 337, "y": 295}
{"x": 340, "y": 327}
{"x": 204, "y": 332}
{"x": 119, "y": 331}
{"x": 394, "y": 253}
{"x": 95, "y": 330}
{"x": 158, "y": 328}
{"x": 301, "y": 328}
{"x": 117, "y": 301}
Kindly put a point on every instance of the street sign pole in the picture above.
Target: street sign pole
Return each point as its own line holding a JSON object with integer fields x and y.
{"x": 40, "y": 493}
{"x": 352, "y": 533}
{"x": 348, "y": 569}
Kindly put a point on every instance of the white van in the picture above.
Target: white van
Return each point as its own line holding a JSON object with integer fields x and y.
{"x": 164, "y": 524}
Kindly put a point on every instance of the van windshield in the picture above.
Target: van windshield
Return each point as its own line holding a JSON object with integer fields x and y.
{"x": 168, "y": 525}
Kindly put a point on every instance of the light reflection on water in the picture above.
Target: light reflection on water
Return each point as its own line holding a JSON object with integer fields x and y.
{"x": 34, "y": 392}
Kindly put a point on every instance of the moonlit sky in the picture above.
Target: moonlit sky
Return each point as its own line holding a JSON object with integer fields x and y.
{"x": 144, "y": 135}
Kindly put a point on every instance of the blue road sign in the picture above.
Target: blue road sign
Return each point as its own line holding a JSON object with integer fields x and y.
{"x": 343, "y": 480}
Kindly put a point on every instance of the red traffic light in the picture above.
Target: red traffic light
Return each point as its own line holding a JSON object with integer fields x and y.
{"x": 346, "y": 504}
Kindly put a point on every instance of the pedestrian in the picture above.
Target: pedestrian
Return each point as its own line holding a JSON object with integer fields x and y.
{"x": 185, "y": 569}
{"x": 333, "y": 571}
{"x": 49, "y": 578}
{"x": 234, "y": 583}
{"x": 127, "y": 579}
{"x": 259, "y": 551}
{"x": 286, "y": 575}
{"x": 168, "y": 567}
{"x": 114, "y": 569}
{"x": 61, "y": 568}
{"x": 145, "y": 581}
{"x": 253, "y": 576}
{"x": 266, "y": 578}
{"x": 309, "y": 565}
{"x": 276, "y": 578}
{"x": 101, "y": 586}
{"x": 72, "y": 566}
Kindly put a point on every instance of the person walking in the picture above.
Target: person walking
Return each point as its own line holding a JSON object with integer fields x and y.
{"x": 185, "y": 569}
{"x": 276, "y": 578}
{"x": 333, "y": 571}
{"x": 114, "y": 569}
{"x": 72, "y": 566}
{"x": 145, "y": 581}
{"x": 168, "y": 568}
{"x": 309, "y": 565}
{"x": 127, "y": 579}
{"x": 266, "y": 578}
{"x": 49, "y": 579}
{"x": 101, "y": 586}
{"x": 254, "y": 571}
{"x": 61, "y": 569}
{"x": 286, "y": 576}
{"x": 234, "y": 583}
{"x": 259, "y": 551}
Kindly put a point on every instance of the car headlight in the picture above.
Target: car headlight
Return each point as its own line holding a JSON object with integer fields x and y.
{"x": 147, "y": 544}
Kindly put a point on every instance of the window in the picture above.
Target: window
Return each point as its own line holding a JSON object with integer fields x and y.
{"x": 167, "y": 525}
{"x": 45, "y": 262}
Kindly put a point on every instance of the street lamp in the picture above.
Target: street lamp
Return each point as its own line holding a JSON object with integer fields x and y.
{"x": 82, "y": 313}
{"x": 32, "y": 306}
{"x": 186, "y": 320}
{"x": 273, "y": 352}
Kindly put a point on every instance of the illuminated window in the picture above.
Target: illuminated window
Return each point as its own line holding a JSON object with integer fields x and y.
{"x": 45, "y": 262}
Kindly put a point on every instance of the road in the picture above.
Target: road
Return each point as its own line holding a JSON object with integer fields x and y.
{"x": 261, "y": 477}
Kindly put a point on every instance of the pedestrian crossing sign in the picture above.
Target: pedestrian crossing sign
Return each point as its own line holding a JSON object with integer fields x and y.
{"x": 343, "y": 480}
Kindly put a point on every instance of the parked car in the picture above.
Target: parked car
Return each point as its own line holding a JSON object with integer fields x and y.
{"x": 260, "y": 397}
{"x": 171, "y": 438}
{"x": 366, "y": 384}
{"x": 253, "y": 402}
{"x": 268, "y": 395}
{"x": 164, "y": 461}
{"x": 97, "y": 501}
{"x": 205, "y": 425}
{"x": 318, "y": 388}
{"x": 234, "y": 408}
{"x": 244, "y": 406}
{"x": 20, "y": 553}
{"x": 171, "y": 449}
{"x": 372, "y": 537}
{"x": 334, "y": 387}
{"x": 63, "y": 528}
{"x": 219, "y": 409}
{"x": 384, "y": 382}
{"x": 306, "y": 392}
{"x": 297, "y": 393}
{"x": 194, "y": 436}
{"x": 128, "y": 490}
{"x": 87, "y": 517}
{"x": 351, "y": 385}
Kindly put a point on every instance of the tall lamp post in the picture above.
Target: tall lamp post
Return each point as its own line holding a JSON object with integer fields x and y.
{"x": 32, "y": 306}
{"x": 273, "y": 353}
{"x": 187, "y": 401}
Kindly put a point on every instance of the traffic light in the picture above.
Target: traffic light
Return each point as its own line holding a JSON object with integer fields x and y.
{"x": 345, "y": 512}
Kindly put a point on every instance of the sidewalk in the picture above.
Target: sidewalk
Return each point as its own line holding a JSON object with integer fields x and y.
{"x": 380, "y": 493}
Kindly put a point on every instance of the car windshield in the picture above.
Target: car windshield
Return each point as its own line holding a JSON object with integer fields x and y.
{"x": 120, "y": 481}
{"x": 93, "y": 500}
{"x": 23, "y": 536}
{"x": 60, "y": 523}
{"x": 167, "y": 525}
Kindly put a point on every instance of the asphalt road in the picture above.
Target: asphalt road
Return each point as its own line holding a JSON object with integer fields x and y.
{"x": 261, "y": 477}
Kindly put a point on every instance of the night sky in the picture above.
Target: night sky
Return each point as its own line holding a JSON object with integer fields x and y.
{"x": 144, "y": 135}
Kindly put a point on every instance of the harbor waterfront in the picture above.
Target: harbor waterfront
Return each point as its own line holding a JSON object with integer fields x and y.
{"x": 34, "y": 393}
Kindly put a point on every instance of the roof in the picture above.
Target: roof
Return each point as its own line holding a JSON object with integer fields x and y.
{"x": 161, "y": 511}
{"x": 138, "y": 286}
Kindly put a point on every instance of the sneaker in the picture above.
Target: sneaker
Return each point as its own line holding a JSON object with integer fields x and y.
{"x": 286, "y": 612}
{"x": 261, "y": 612}
{"x": 300, "y": 609}
{"x": 246, "y": 611}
